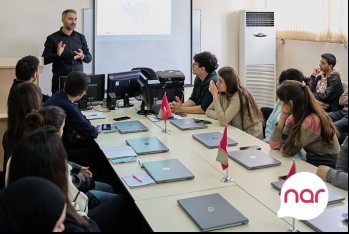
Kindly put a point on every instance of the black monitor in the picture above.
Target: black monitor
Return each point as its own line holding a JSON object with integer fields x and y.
{"x": 124, "y": 85}
{"x": 95, "y": 91}
{"x": 147, "y": 86}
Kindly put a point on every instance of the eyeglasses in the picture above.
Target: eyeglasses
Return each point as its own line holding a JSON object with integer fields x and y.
{"x": 202, "y": 121}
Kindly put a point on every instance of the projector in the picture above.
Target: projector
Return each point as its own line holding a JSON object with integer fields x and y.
{"x": 171, "y": 78}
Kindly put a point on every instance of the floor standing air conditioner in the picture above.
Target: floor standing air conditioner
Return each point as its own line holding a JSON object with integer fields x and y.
{"x": 257, "y": 55}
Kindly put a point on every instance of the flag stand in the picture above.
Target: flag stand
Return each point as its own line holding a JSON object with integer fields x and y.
{"x": 165, "y": 130}
{"x": 227, "y": 178}
{"x": 293, "y": 229}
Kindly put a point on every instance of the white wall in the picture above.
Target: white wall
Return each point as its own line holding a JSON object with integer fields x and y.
{"x": 220, "y": 35}
{"x": 24, "y": 26}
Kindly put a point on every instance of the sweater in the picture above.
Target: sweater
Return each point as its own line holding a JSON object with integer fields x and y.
{"x": 318, "y": 152}
{"x": 75, "y": 120}
{"x": 343, "y": 100}
{"x": 339, "y": 176}
{"x": 228, "y": 112}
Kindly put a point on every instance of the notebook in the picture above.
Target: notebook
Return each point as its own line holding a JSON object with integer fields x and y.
{"x": 212, "y": 139}
{"x": 331, "y": 220}
{"x": 93, "y": 115}
{"x": 138, "y": 180}
{"x": 332, "y": 197}
{"x": 212, "y": 212}
{"x": 167, "y": 171}
{"x": 130, "y": 126}
{"x": 253, "y": 159}
{"x": 148, "y": 145}
{"x": 118, "y": 152}
{"x": 187, "y": 124}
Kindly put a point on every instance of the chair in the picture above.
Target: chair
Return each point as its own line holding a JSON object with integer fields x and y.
{"x": 266, "y": 111}
{"x": 149, "y": 73}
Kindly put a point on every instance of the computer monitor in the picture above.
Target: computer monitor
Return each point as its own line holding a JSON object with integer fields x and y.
{"x": 124, "y": 85}
{"x": 147, "y": 86}
{"x": 95, "y": 91}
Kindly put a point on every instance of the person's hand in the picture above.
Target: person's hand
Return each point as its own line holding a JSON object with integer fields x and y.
{"x": 79, "y": 55}
{"x": 213, "y": 89}
{"x": 85, "y": 172}
{"x": 176, "y": 105}
{"x": 60, "y": 48}
{"x": 336, "y": 72}
{"x": 316, "y": 72}
{"x": 322, "y": 172}
{"x": 284, "y": 115}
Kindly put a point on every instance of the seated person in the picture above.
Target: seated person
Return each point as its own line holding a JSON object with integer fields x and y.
{"x": 326, "y": 84}
{"x": 289, "y": 74}
{"x": 304, "y": 124}
{"x": 76, "y": 125}
{"x": 338, "y": 176}
{"x": 234, "y": 104}
{"x": 204, "y": 67}
{"x": 27, "y": 70}
{"x": 340, "y": 118}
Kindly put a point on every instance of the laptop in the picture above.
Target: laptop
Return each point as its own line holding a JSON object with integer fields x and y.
{"x": 148, "y": 145}
{"x": 212, "y": 212}
{"x": 212, "y": 139}
{"x": 331, "y": 220}
{"x": 253, "y": 159}
{"x": 332, "y": 197}
{"x": 167, "y": 171}
{"x": 187, "y": 124}
{"x": 130, "y": 126}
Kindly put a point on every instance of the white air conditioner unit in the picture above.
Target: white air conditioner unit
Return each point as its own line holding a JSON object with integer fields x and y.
{"x": 257, "y": 55}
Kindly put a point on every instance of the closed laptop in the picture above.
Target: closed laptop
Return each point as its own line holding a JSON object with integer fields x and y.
{"x": 147, "y": 145}
{"x": 170, "y": 170}
{"x": 187, "y": 124}
{"x": 130, "y": 126}
{"x": 332, "y": 196}
{"x": 212, "y": 212}
{"x": 331, "y": 220}
{"x": 212, "y": 139}
{"x": 253, "y": 159}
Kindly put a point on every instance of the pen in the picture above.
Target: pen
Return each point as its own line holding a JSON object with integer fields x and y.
{"x": 91, "y": 115}
{"x": 137, "y": 178}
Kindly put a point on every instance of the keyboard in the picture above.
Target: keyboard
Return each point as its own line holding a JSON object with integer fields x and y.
{"x": 95, "y": 103}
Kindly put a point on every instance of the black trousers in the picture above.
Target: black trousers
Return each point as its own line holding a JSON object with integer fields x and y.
{"x": 55, "y": 84}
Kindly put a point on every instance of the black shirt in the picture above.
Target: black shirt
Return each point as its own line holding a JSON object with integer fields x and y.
{"x": 201, "y": 95}
{"x": 65, "y": 63}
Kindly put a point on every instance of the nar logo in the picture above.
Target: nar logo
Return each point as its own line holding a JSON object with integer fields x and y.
{"x": 303, "y": 196}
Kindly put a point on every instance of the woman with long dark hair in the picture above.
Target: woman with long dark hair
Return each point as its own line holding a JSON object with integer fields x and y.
{"x": 234, "y": 104}
{"x": 304, "y": 124}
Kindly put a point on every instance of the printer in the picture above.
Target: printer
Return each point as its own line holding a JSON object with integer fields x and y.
{"x": 171, "y": 78}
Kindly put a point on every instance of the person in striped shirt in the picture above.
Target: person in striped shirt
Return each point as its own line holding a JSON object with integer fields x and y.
{"x": 304, "y": 124}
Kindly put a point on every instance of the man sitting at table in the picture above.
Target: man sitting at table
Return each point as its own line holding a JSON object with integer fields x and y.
{"x": 204, "y": 67}
{"x": 77, "y": 128}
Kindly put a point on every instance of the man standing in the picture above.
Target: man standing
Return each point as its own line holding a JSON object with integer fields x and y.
{"x": 66, "y": 49}
{"x": 204, "y": 67}
{"x": 326, "y": 84}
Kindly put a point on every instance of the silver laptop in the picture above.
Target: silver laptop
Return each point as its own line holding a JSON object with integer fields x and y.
{"x": 130, "y": 126}
{"x": 187, "y": 124}
{"x": 212, "y": 212}
{"x": 331, "y": 220}
{"x": 167, "y": 171}
{"x": 332, "y": 197}
{"x": 212, "y": 139}
{"x": 253, "y": 159}
{"x": 148, "y": 145}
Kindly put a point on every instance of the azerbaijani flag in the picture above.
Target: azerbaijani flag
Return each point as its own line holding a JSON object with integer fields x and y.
{"x": 290, "y": 173}
{"x": 222, "y": 156}
{"x": 165, "y": 110}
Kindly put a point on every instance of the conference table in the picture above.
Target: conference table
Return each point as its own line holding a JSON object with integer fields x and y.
{"x": 251, "y": 192}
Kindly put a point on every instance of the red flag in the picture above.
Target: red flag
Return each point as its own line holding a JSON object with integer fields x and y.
{"x": 222, "y": 156}
{"x": 165, "y": 110}
{"x": 290, "y": 173}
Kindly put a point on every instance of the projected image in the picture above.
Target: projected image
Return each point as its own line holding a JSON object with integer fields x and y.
{"x": 133, "y": 17}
